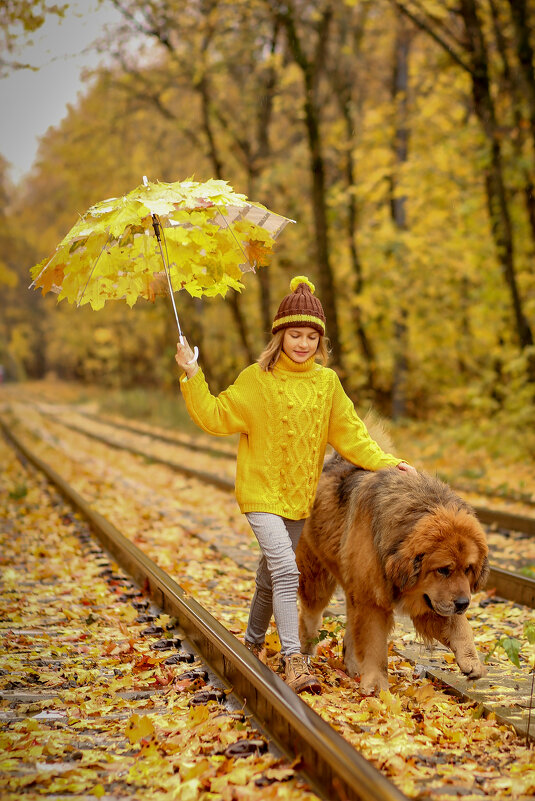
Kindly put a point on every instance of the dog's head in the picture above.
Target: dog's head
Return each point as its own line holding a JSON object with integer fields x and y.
{"x": 441, "y": 563}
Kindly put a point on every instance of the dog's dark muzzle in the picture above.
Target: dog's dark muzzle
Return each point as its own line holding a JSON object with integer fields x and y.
{"x": 461, "y": 605}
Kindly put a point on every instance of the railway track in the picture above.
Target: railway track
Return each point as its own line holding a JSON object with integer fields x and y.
{"x": 192, "y": 443}
{"x": 90, "y": 692}
{"x": 327, "y": 761}
{"x": 226, "y": 657}
{"x": 507, "y": 584}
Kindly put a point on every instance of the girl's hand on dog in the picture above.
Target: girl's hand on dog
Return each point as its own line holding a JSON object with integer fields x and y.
{"x": 406, "y": 468}
{"x": 183, "y": 356}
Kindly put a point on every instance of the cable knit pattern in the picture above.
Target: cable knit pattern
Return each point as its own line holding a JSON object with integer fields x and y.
{"x": 285, "y": 418}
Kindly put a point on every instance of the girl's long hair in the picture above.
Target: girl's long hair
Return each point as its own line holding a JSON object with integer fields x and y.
{"x": 272, "y": 351}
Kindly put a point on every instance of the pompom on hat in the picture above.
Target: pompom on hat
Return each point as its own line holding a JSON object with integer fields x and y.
{"x": 300, "y": 309}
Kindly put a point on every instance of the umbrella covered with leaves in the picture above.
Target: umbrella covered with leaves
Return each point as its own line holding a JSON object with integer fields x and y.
{"x": 204, "y": 235}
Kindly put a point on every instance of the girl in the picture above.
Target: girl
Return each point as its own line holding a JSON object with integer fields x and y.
{"x": 286, "y": 408}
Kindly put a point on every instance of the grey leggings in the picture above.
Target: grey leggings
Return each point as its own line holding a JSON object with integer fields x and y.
{"x": 277, "y": 580}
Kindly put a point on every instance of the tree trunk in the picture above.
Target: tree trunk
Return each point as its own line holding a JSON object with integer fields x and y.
{"x": 524, "y": 52}
{"x": 351, "y": 220}
{"x": 263, "y": 275}
{"x": 156, "y": 28}
{"x": 326, "y": 278}
{"x": 519, "y": 85}
{"x": 265, "y": 300}
{"x": 398, "y": 210}
{"x": 497, "y": 201}
{"x": 213, "y": 154}
{"x": 233, "y": 301}
{"x": 310, "y": 67}
{"x": 197, "y": 335}
{"x": 260, "y": 159}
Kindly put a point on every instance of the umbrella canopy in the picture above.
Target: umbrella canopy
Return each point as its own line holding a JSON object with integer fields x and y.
{"x": 204, "y": 235}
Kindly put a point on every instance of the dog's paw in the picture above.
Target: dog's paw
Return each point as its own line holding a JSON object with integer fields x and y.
{"x": 309, "y": 625}
{"x": 351, "y": 664}
{"x": 473, "y": 668}
{"x": 371, "y": 683}
{"x": 308, "y": 647}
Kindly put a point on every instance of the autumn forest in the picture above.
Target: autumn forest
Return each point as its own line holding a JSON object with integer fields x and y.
{"x": 390, "y": 145}
{"x": 398, "y": 134}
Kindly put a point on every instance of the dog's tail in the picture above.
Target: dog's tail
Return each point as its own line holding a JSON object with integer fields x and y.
{"x": 377, "y": 429}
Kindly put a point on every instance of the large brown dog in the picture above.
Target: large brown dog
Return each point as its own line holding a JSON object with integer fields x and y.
{"x": 391, "y": 540}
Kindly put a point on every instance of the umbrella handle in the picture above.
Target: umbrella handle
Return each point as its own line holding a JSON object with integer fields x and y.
{"x": 195, "y": 355}
{"x": 195, "y": 350}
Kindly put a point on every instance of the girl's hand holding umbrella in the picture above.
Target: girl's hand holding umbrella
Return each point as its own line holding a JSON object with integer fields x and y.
{"x": 186, "y": 358}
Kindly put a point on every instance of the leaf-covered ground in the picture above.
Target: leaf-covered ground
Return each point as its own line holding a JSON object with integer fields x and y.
{"x": 90, "y": 706}
{"x": 477, "y": 456}
{"x": 421, "y": 736}
{"x": 511, "y": 550}
{"x": 424, "y": 739}
{"x": 471, "y": 452}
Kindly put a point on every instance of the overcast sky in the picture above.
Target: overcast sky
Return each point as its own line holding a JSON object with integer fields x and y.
{"x": 31, "y": 101}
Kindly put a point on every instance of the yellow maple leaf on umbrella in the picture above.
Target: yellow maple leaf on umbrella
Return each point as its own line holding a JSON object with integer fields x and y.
{"x": 50, "y": 278}
{"x": 257, "y": 252}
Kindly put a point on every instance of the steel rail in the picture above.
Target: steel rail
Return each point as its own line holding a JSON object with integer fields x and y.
{"x": 177, "y": 441}
{"x": 133, "y": 429}
{"x": 512, "y": 586}
{"x": 508, "y": 520}
{"x": 524, "y": 498}
{"x": 328, "y": 761}
{"x": 212, "y": 478}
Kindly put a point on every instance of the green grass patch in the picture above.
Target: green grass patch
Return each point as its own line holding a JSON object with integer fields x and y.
{"x": 20, "y": 491}
{"x": 153, "y": 407}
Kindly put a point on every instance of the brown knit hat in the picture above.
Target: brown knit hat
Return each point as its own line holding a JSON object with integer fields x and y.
{"x": 300, "y": 309}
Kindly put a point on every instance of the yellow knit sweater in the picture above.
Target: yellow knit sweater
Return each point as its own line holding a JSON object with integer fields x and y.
{"x": 285, "y": 418}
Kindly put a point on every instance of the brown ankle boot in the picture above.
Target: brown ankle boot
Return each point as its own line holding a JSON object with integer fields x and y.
{"x": 297, "y": 675}
{"x": 257, "y": 648}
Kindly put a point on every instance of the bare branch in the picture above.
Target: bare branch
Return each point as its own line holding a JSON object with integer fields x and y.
{"x": 425, "y": 25}
{"x": 439, "y": 23}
